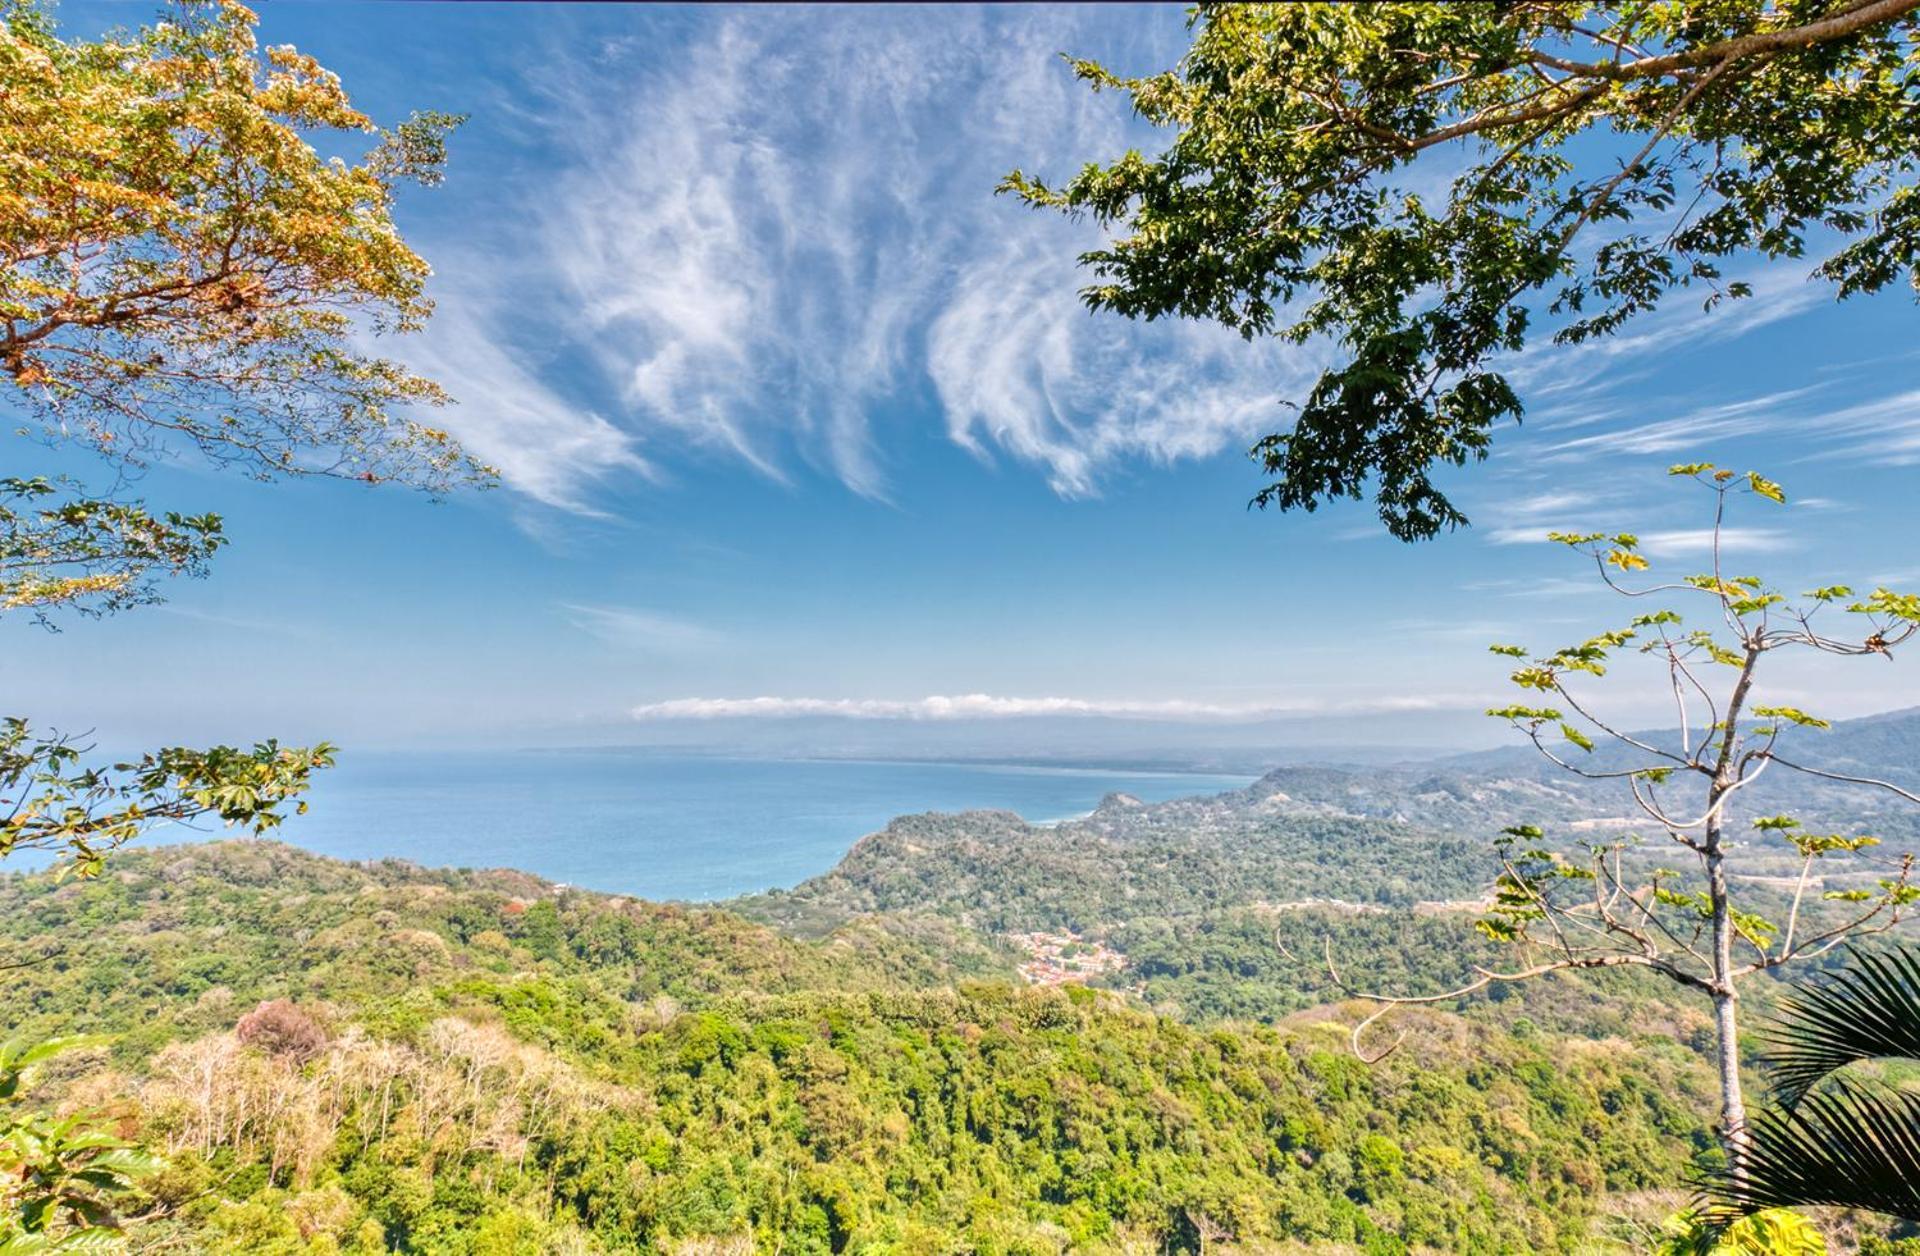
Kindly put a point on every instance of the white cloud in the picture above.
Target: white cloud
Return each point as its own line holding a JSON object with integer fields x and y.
{"x": 1690, "y": 541}
{"x": 1518, "y": 535}
{"x": 1019, "y": 366}
{"x": 988, "y": 706}
{"x": 1546, "y": 370}
{"x": 1537, "y": 505}
{"x": 1689, "y": 431}
{"x": 1530, "y": 516}
{"x": 1885, "y": 430}
{"x": 1555, "y": 587}
{"x": 775, "y": 241}
{"x": 772, "y": 241}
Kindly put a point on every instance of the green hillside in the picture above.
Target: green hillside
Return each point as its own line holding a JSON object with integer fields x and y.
{"x": 487, "y": 1063}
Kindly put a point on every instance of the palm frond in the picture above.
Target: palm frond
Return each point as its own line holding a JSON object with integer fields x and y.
{"x": 1870, "y": 1010}
{"x": 1851, "y": 1147}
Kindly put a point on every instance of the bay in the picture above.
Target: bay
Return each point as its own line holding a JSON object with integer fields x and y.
{"x": 669, "y": 826}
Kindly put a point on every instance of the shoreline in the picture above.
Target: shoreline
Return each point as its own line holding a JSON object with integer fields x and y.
{"x": 691, "y": 829}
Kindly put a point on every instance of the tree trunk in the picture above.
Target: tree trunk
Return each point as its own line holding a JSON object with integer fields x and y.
{"x": 1733, "y": 1108}
{"x": 1726, "y": 778}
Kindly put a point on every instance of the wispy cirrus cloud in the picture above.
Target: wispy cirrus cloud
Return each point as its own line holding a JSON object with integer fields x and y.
{"x": 1021, "y": 370}
{"x": 1556, "y": 588}
{"x": 1677, "y": 542}
{"x": 637, "y": 629}
{"x": 990, "y": 706}
{"x": 773, "y": 243}
{"x": 1693, "y": 429}
{"x": 1883, "y": 429}
{"x": 1547, "y": 372}
{"x": 544, "y": 443}
{"x": 776, "y": 243}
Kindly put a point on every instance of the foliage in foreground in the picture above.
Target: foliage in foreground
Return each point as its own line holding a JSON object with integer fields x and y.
{"x": 61, "y": 1177}
{"x": 183, "y": 274}
{"x": 52, "y": 805}
{"x": 1424, "y": 186}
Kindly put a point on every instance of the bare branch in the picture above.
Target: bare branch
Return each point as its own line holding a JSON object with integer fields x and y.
{"x": 1843, "y": 777}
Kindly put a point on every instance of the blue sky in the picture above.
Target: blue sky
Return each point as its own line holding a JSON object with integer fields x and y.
{"x": 792, "y": 409}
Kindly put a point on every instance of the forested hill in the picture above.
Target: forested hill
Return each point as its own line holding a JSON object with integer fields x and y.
{"x": 366, "y": 1058}
{"x": 168, "y": 941}
{"x": 1223, "y": 906}
{"x": 1126, "y": 861}
{"x": 1884, "y": 747}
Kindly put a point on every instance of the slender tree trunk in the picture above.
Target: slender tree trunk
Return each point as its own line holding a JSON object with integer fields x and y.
{"x": 1733, "y": 1108}
{"x": 1726, "y": 778}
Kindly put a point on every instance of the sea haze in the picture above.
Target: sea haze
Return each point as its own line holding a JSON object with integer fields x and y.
{"x": 670, "y": 826}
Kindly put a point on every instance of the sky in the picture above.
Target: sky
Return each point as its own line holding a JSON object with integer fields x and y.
{"x": 804, "y": 433}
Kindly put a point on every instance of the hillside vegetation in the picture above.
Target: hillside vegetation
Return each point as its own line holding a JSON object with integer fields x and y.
{"x": 1228, "y": 906}
{"x": 454, "y": 1062}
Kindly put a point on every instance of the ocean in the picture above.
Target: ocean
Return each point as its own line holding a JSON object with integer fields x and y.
{"x": 668, "y": 826}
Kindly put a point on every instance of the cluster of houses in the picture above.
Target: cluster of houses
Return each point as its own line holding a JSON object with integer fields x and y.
{"x": 1055, "y": 959}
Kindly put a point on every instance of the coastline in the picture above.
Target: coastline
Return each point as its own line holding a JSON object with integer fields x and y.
{"x": 670, "y": 828}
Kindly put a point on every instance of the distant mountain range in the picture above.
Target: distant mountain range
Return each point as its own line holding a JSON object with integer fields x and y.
{"x": 1207, "y": 745}
{"x": 1888, "y": 742}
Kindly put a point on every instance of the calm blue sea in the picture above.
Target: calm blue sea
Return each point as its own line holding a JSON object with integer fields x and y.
{"x": 665, "y": 827}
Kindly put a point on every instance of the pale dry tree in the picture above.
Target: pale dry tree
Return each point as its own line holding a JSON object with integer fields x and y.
{"x": 1609, "y": 903}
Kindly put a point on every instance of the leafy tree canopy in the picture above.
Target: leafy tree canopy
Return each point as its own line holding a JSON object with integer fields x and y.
{"x": 178, "y": 263}
{"x": 51, "y": 803}
{"x": 96, "y": 556}
{"x": 1593, "y": 159}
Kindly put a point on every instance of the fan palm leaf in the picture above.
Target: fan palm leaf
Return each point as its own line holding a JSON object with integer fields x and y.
{"x": 1841, "y": 1143}
{"x": 1849, "y": 1147}
{"x": 1870, "y": 1010}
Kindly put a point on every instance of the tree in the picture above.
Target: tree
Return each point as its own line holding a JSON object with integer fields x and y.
{"x": 179, "y": 268}
{"x": 99, "y": 556}
{"x": 1608, "y": 903}
{"x": 183, "y": 274}
{"x": 51, "y": 804}
{"x": 1828, "y": 1139}
{"x": 1290, "y": 200}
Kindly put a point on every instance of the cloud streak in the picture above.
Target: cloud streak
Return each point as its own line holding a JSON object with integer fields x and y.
{"x": 1674, "y": 542}
{"x": 773, "y": 244}
{"x": 771, "y": 239}
{"x": 635, "y": 629}
{"x": 544, "y": 444}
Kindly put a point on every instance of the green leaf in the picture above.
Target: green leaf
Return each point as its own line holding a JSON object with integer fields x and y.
{"x": 1519, "y": 714}
{"x": 1792, "y": 715}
